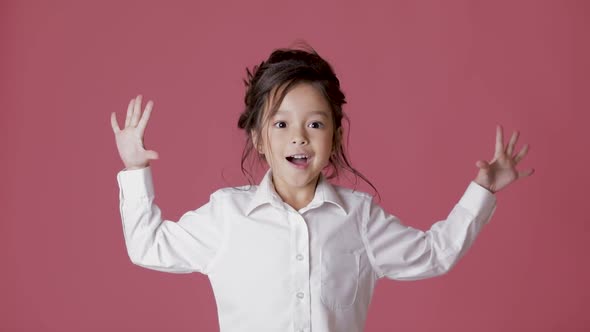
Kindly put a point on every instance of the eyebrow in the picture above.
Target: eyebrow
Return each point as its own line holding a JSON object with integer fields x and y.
{"x": 323, "y": 113}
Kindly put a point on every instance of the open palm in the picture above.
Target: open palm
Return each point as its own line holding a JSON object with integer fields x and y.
{"x": 501, "y": 170}
{"x": 130, "y": 139}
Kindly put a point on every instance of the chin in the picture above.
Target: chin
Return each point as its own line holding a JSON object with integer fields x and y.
{"x": 305, "y": 181}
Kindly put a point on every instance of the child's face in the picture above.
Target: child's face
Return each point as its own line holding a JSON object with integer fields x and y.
{"x": 297, "y": 140}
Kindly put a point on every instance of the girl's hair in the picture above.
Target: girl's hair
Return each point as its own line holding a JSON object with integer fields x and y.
{"x": 282, "y": 71}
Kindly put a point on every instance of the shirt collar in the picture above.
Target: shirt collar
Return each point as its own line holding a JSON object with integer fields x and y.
{"x": 266, "y": 194}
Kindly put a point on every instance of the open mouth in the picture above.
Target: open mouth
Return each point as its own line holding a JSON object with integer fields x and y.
{"x": 298, "y": 159}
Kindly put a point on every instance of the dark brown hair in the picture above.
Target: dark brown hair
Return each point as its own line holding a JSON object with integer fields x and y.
{"x": 277, "y": 75}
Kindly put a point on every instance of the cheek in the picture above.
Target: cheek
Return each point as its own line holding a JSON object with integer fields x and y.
{"x": 329, "y": 141}
{"x": 327, "y": 145}
{"x": 265, "y": 138}
{"x": 272, "y": 146}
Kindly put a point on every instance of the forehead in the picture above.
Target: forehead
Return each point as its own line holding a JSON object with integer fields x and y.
{"x": 304, "y": 99}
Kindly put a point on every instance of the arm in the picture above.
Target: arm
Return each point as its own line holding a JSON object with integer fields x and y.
{"x": 404, "y": 253}
{"x": 400, "y": 252}
{"x": 189, "y": 245}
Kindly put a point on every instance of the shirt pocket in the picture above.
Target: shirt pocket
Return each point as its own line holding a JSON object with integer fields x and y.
{"x": 339, "y": 278}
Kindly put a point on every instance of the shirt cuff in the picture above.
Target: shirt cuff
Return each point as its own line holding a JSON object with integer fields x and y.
{"x": 478, "y": 200}
{"x": 136, "y": 183}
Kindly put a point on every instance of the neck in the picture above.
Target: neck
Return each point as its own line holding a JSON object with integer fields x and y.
{"x": 297, "y": 197}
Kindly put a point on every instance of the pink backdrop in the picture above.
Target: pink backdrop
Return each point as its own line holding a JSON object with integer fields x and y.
{"x": 426, "y": 83}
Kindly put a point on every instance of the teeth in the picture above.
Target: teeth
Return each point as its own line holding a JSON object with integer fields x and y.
{"x": 299, "y": 156}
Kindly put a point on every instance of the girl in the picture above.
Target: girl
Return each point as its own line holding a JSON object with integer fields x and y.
{"x": 295, "y": 253}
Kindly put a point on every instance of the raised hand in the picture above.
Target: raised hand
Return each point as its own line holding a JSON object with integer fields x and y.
{"x": 501, "y": 171}
{"x": 130, "y": 139}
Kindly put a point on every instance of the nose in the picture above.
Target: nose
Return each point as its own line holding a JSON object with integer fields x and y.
{"x": 299, "y": 137}
{"x": 299, "y": 141}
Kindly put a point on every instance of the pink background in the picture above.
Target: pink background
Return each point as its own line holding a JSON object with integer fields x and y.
{"x": 426, "y": 82}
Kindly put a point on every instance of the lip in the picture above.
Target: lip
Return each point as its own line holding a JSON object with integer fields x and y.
{"x": 300, "y": 166}
{"x": 296, "y": 152}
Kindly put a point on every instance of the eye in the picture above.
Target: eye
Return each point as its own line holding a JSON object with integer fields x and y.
{"x": 316, "y": 125}
{"x": 280, "y": 124}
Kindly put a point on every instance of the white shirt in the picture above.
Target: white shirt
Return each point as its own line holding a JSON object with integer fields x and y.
{"x": 273, "y": 268}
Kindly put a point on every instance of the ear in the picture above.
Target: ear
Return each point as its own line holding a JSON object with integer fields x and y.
{"x": 256, "y": 142}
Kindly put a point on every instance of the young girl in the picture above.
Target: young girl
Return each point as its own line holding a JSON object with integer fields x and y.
{"x": 295, "y": 253}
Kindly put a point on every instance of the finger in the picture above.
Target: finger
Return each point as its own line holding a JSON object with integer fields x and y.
{"x": 499, "y": 142}
{"x": 521, "y": 154}
{"x": 114, "y": 123}
{"x": 136, "y": 111}
{"x": 512, "y": 142}
{"x": 151, "y": 154}
{"x": 525, "y": 173}
{"x": 145, "y": 116}
{"x": 129, "y": 113}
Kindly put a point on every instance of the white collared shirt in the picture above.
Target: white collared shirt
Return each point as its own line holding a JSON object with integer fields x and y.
{"x": 273, "y": 268}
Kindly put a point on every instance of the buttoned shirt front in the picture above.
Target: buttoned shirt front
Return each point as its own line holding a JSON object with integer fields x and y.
{"x": 273, "y": 268}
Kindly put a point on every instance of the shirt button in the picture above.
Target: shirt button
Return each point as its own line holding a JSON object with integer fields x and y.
{"x": 300, "y": 295}
{"x": 299, "y": 257}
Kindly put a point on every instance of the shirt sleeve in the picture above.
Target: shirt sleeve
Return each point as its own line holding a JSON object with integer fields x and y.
{"x": 189, "y": 245}
{"x": 400, "y": 252}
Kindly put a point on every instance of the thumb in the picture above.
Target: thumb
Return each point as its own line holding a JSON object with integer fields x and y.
{"x": 151, "y": 154}
{"x": 482, "y": 164}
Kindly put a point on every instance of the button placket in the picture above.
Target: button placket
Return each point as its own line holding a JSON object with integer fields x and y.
{"x": 300, "y": 249}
